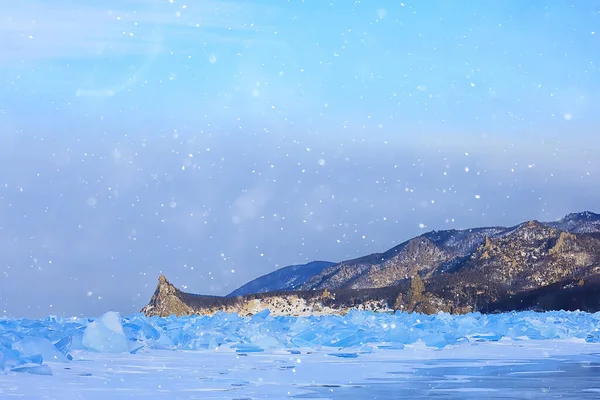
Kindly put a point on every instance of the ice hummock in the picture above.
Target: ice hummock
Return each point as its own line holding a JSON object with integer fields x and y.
{"x": 27, "y": 345}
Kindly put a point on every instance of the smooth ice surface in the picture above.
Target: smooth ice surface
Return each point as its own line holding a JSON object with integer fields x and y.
{"x": 533, "y": 369}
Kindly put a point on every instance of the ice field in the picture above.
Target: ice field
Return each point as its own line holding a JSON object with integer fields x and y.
{"x": 359, "y": 356}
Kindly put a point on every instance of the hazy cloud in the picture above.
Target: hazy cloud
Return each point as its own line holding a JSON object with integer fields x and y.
{"x": 31, "y": 29}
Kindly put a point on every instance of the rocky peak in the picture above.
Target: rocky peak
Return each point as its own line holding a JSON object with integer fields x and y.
{"x": 533, "y": 224}
{"x": 529, "y": 239}
{"x": 166, "y": 300}
{"x": 419, "y": 247}
{"x": 463, "y": 242}
{"x": 563, "y": 243}
{"x": 162, "y": 281}
{"x": 530, "y": 230}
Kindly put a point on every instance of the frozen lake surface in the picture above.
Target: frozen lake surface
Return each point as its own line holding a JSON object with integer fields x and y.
{"x": 358, "y": 356}
{"x": 496, "y": 370}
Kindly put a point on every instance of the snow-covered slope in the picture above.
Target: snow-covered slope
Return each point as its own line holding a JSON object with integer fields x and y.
{"x": 286, "y": 278}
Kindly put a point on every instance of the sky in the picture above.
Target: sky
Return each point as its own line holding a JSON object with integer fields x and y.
{"x": 217, "y": 141}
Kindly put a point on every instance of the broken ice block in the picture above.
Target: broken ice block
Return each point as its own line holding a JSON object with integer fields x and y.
{"x": 31, "y": 346}
{"x": 106, "y": 335}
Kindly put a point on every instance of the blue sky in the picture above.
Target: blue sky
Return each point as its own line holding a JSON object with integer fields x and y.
{"x": 201, "y": 138}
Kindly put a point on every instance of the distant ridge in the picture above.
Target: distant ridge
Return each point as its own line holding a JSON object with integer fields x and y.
{"x": 284, "y": 279}
{"x": 546, "y": 265}
{"x": 583, "y": 222}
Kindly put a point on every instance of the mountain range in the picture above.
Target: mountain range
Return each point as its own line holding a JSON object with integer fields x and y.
{"x": 533, "y": 265}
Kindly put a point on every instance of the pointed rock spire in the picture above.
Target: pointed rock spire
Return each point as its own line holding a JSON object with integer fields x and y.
{"x": 166, "y": 301}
